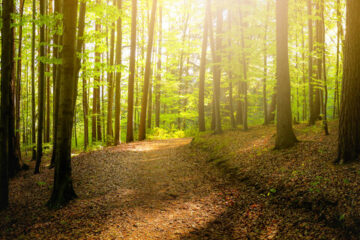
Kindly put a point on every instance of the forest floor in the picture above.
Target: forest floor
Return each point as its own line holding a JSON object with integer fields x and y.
{"x": 229, "y": 186}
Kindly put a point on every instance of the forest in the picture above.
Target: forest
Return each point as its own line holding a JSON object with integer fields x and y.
{"x": 180, "y": 119}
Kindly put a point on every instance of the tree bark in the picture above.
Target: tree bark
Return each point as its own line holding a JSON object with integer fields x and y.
{"x": 56, "y": 80}
{"x": 285, "y": 136}
{"x": 7, "y": 69}
{"x": 349, "y": 126}
{"x": 117, "y": 138}
{"x": 266, "y": 116}
{"x": 110, "y": 75}
{"x": 63, "y": 190}
{"x": 33, "y": 128}
{"x": 41, "y": 87}
{"x": 130, "y": 117}
{"x": 202, "y": 126}
{"x": 144, "y": 101}
{"x": 158, "y": 75}
{"x": 245, "y": 83}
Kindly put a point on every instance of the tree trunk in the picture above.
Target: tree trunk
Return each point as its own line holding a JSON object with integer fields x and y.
{"x": 158, "y": 75}
{"x": 311, "y": 84}
{"x": 338, "y": 41}
{"x": 7, "y": 69}
{"x": 18, "y": 92}
{"x": 144, "y": 101}
{"x": 56, "y": 81}
{"x": 216, "y": 56}
{"x": 130, "y": 118}
{"x": 85, "y": 110}
{"x": 63, "y": 190}
{"x": 202, "y": 126}
{"x": 33, "y": 128}
{"x": 109, "y": 127}
{"x": 245, "y": 83}
{"x": 231, "y": 105}
{"x": 349, "y": 126}
{"x": 117, "y": 138}
{"x": 285, "y": 136}
{"x": 41, "y": 87}
{"x": 266, "y": 116}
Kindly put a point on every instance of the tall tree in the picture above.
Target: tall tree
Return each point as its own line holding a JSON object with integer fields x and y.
{"x": 311, "y": 81}
{"x": 63, "y": 190}
{"x": 336, "y": 107}
{"x": 266, "y": 115}
{"x": 117, "y": 138}
{"x": 41, "y": 90}
{"x": 245, "y": 73}
{"x": 110, "y": 75}
{"x": 7, "y": 69}
{"x": 158, "y": 75}
{"x": 130, "y": 117}
{"x": 144, "y": 100}
{"x": 202, "y": 126}
{"x": 349, "y": 126}
{"x": 56, "y": 77}
{"x": 18, "y": 89}
{"x": 33, "y": 118}
{"x": 285, "y": 136}
{"x": 217, "y": 69}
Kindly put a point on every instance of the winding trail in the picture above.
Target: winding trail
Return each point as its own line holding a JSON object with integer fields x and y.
{"x": 145, "y": 190}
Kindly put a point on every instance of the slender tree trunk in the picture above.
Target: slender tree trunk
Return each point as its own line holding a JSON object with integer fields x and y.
{"x": 349, "y": 126}
{"x": 18, "y": 91}
{"x": 202, "y": 126}
{"x": 245, "y": 83}
{"x": 338, "y": 41}
{"x": 158, "y": 75}
{"x": 56, "y": 80}
{"x": 7, "y": 68}
{"x": 33, "y": 118}
{"x": 109, "y": 128}
{"x": 63, "y": 190}
{"x": 117, "y": 138}
{"x": 266, "y": 116}
{"x": 311, "y": 84}
{"x": 304, "y": 75}
{"x": 144, "y": 101}
{"x": 41, "y": 92}
{"x": 130, "y": 131}
{"x": 85, "y": 109}
{"x": 230, "y": 74}
{"x": 285, "y": 136}
{"x": 216, "y": 68}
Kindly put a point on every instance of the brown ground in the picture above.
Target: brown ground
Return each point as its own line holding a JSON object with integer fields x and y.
{"x": 232, "y": 186}
{"x": 147, "y": 190}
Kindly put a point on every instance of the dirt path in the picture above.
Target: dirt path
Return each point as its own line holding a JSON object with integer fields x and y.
{"x": 147, "y": 190}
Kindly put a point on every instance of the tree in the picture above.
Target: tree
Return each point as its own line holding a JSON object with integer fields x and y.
{"x": 245, "y": 73}
{"x": 202, "y": 127}
{"x": 7, "y": 69}
{"x": 144, "y": 101}
{"x": 349, "y": 126}
{"x": 158, "y": 75}
{"x": 33, "y": 130}
{"x": 266, "y": 115}
{"x": 216, "y": 48}
{"x": 56, "y": 79}
{"x": 311, "y": 84}
{"x": 41, "y": 90}
{"x": 130, "y": 117}
{"x": 63, "y": 190}
{"x": 110, "y": 74}
{"x": 117, "y": 139}
{"x": 285, "y": 136}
